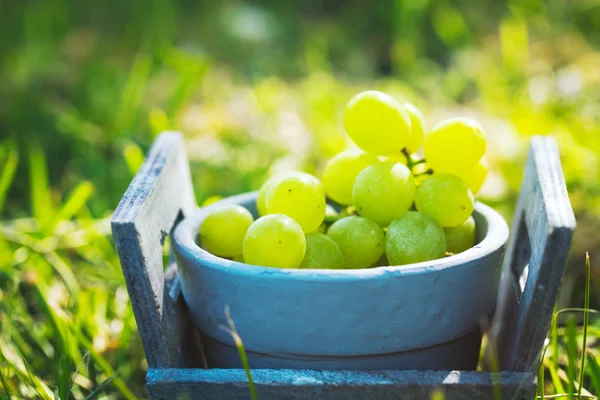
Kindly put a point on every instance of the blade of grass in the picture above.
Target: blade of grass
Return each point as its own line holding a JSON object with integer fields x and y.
{"x": 134, "y": 157}
{"x": 17, "y": 363}
{"x": 241, "y": 351}
{"x": 554, "y": 337}
{"x": 585, "y": 322}
{"x": 556, "y": 381}
{"x": 74, "y": 203}
{"x": 593, "y": 372}
{"x": 105, "y": 366}
{"x": 133, "y": 92}
{"x": 84, "y": 361}
{"x": 542, "y": 373}
{"x": 63, "y": 375}
{"x": 100, "y": 387}
{"x": 41, "y": 197}
{"x": 5, "y": 387}
{"x": 571, "y": 337}
{"x": 8, "y": 172}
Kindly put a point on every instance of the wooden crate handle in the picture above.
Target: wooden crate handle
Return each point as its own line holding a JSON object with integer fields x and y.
{"x": 160, "y": 194}
{"x": 535, "y": 260}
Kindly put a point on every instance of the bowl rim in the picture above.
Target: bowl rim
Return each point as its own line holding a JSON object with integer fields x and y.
{"x": 184, "y": 244}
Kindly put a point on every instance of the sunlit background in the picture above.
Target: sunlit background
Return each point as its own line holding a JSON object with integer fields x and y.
{"x": 255, "y": 88}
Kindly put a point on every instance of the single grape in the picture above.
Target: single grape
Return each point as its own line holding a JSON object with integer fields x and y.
{"x": 417, "y": 132}
{"x": 274, "y": 240}
{"x": 222, "y": 231}
{"x": 262, "y": 192}
{"x": 414, "y": 238}
{"x": 383, "y": 192}
{"x": 445, "y": 198}
{"x": 361, "y": 240}
{"x": 322, "y": 252}
{"x": 462, "y": 237}
{"x": 340, "y": 173}
{"x": 475, "y": 176}
{"x": 455, "y": 145}
{"x": 377, "y": 123}
{"x": 300, "y": 196}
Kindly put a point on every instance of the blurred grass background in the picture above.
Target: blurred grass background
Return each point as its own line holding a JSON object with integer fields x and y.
{"x": 256, "y": 87}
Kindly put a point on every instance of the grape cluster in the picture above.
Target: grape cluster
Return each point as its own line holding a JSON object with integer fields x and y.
{"x": 392, "y": 206}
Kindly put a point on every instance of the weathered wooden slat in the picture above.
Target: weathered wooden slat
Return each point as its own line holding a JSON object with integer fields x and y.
{"x": 160, "y": 193}
{"x": 346, "y": 385}
{"x": 534, "y": 264}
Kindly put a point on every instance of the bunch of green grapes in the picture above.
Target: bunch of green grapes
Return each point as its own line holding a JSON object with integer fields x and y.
{"x": 389, "y": 202}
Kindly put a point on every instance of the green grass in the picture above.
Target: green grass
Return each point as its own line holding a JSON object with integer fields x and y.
{"x": 85, "y": 88}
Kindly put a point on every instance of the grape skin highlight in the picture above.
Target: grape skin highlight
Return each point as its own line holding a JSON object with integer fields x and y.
{"x": 445, "y": 198}
{"x": 274, "y": 240}
{"x": 341, "y": 171}
{"x": 322, "y": 252}
{"x": 383, "y": 192}
{"x": 414, "y": 238}
{"x": 377, "y": 123}
{"x": 299, "y": 196}
{"x": 455, "y": 145}
{"x": 222, "y": 231}
{"x": 461, "y": 238}
{"x": 361, "y": 240}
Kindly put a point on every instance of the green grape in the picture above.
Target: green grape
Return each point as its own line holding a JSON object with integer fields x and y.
{"x": 414, "y": 238}
{"x": 341, "y": 171}
{"x": 361, "y": 240}
{"x": 417, "y": 132}
{"x": 222, "y": 231}
{"x": 462, "y": 237}
{"x": 445, "y": 198}
{"x": 475, "y": 176}
{"x": 274, "y": 240}
{"x": 262, "y": 193}
{"x": 455, "y": 145}
{"x": 377, "y": 123}
{"x": 239, "y": 258}
{"x": 322, "y": 252}
{"x": 297, "y": 195}
{"x": 383, "y": 192}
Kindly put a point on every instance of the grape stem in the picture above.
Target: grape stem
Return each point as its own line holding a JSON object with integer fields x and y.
{"x": 409, "y": 161}
{"x": 428, "y": 172}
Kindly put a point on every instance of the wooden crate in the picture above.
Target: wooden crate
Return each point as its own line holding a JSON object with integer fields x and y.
{"x": 162, "y": 193}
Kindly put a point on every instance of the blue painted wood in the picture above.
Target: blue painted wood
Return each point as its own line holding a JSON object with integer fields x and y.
{"x": 536, "y": 258}
{"x": 368, "y": 319}
{"x": 160, "y": 194}
{"x": 342, "y": 385}
{"x": 140, "y": 224}
{"x": 460, "y": 354}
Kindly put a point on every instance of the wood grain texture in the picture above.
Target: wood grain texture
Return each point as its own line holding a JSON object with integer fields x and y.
{"x": 346, "y": 385}
{"x": 536, "y": 257}
{"x": 158, "y": 196}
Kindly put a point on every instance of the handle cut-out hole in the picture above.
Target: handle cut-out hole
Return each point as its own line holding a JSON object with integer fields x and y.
{"x": 521, "y": 256}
